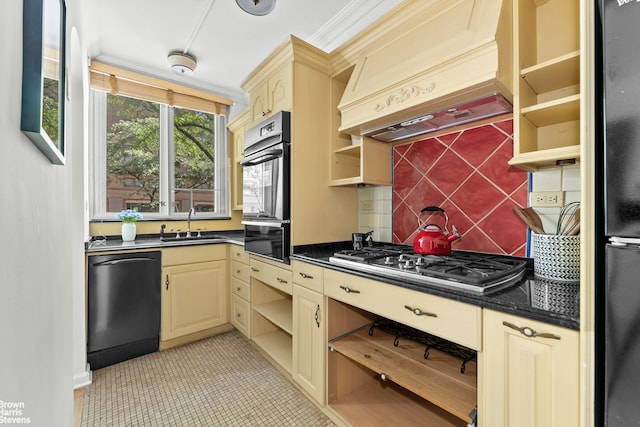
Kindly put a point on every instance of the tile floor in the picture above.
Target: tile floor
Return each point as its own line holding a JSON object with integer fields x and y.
{"x": 219, "y": 381}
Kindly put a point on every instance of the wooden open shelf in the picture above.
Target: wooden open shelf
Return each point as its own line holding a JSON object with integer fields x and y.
{"x": 437, "y": 379}
{"x": 279, "y": 312}
{"x": 277, "y": 344}
{"x": 553, "y": 74}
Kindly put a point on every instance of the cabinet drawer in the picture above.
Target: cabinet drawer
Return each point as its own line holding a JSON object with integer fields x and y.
{"x": 240, "y": 288}
{"x": 193, "y": 254}
{"x": 445, "y": 318}
{"x": 238, "y": 254}
{"x": 240, "y": 315}
{"x": 273, "y": 276}
{"x": 307, "y": 275}
{"x": 240, "y": 271}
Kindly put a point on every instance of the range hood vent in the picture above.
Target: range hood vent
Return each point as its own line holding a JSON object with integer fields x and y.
{"x": 450, "y": 59}
{"x": 467, "y": 112}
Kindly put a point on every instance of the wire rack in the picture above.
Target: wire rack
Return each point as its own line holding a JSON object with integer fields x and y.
{"x": 429, "y": 341}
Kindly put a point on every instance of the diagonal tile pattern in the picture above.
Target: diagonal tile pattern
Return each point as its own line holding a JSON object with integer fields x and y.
{"x": 219, "y": 381}
{"x": 468, "y": 175}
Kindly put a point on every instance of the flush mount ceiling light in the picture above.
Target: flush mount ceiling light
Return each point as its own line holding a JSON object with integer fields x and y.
{"x": 257, "y": 7}
{"x": 182, "y": 63}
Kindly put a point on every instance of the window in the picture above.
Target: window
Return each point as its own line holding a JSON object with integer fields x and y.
{"x": 161, "y": 160}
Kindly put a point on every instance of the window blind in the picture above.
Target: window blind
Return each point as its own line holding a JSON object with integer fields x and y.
{"x": 118, "y": 81}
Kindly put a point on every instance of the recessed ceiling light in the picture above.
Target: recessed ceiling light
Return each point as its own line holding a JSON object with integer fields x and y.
{"x": 257, "y": 7}
{"x": 182, "y": 63}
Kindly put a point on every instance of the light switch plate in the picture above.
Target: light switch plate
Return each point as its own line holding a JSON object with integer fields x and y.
{"x": 546, "y": 199}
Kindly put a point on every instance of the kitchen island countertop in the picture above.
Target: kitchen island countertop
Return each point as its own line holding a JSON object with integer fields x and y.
{"x": 557, "y": 303}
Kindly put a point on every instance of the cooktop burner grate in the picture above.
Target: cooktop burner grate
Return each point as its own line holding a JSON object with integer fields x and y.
{"x": 471, "y": 271}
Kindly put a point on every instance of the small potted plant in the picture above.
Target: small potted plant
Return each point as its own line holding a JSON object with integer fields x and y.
{"x": 129, "y": 218}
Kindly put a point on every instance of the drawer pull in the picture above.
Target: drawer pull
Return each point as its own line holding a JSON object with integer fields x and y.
{"x": 237, "y": 315}
{"x": 419, "y": 312}
{"x": 255, "y": 270}
{"x": 305, "y": 276}
{"x": 281, "y": 280}
{"x": 238, "y": 289}
{"x": 531, "y": 333}
{"x": 349, "y": 290}
{"x": 317, "y": 316}
{"x": 237, "y": 271}
{"x": 383, "y": 377}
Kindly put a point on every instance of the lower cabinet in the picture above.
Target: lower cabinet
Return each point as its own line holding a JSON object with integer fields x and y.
{"x": 240, "y": 304}
{"x": 194, "y": 290}
{"x": 530, "y": 373}
{"x": 309, "y": 343}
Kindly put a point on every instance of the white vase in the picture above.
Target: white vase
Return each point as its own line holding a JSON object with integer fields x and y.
{"x": 128, "y": 231}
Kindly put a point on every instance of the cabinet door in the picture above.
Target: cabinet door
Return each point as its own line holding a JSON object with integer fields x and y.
{"x": 240, "y": 315}
{"x": 259, "y": 103}
{"x": 308, "y": 341}
{"x": 194, "y": 298}
{"x": 529, "y": 381}
{"x": 280, "y": 86}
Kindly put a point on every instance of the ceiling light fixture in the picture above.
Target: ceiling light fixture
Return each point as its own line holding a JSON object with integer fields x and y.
{"x": 182, "y": 63}
{"x": 257, "y": 7}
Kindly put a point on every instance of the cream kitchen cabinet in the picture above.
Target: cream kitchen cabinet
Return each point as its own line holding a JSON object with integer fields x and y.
{"x": 240, "y": 290}
{"x": 271, "y": 310}
{"x": 530, "y": 373}
{"x": 546, "y": 111}
{"x": 295, "y": 77}
{"x": 273, "y": 95}
{"x": 370, "y": 377}
{"x": 194, "y": 291}
{"x": 237, "y": 128}
{"x": 309, "y": 338}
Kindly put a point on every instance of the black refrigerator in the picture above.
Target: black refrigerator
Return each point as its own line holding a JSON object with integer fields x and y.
{"x": 618, "y": 269}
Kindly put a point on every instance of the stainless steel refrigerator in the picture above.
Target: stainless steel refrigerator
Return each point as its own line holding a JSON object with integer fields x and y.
{"x": 618, "y": 297}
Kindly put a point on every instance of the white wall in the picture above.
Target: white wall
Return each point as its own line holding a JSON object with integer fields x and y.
{"x": 40, "y": 246}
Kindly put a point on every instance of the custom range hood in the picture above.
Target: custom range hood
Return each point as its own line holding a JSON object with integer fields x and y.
{"x": 436, "y": 64}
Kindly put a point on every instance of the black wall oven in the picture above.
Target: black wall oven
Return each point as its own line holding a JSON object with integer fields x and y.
{"x": 266, "y": 188}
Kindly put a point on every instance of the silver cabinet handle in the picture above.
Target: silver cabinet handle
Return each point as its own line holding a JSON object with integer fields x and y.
{"x": 419, "y": 312}
{"x": 305, "y": 275}
{"x": 383, "y": 377}
{"x": 281, "y": 280}
{"x": 349, "y": 290}
{"x": 531, "y": 333}
{"x": 255, "y": 270}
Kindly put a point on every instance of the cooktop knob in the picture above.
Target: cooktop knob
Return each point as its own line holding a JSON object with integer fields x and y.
{"x": 388, "y": 260}
{"x": 408, "y": 264}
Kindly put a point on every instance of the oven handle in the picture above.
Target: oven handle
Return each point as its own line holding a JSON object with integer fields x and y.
{"x": 266, "y": 223}
{"x": 262, "y": 157}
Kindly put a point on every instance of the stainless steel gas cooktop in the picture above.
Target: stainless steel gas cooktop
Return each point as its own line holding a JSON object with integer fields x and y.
{"x": 474, "y": 272}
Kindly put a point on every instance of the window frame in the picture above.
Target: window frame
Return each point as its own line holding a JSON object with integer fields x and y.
{"x": 98, "y": 164}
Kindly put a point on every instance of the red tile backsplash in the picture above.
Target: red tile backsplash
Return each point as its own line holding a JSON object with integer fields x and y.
{"x": 467, "y": 174}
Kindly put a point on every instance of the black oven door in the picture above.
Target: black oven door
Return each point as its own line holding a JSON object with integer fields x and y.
{"x": 265, "y": 178}
{"x": 269, "y": 239}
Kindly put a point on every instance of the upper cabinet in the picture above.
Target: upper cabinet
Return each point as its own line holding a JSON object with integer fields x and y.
{"x": 547, "y": 90}
{"x": 237, "y": 127}
{"x": 272, "y": 95}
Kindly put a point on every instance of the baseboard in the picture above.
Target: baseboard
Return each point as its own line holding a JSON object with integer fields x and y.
{"x": 164, "y": 345}
{"x": 82, "y": 379}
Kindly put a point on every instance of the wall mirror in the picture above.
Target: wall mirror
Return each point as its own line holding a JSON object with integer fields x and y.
{"x": 43, "y": 76}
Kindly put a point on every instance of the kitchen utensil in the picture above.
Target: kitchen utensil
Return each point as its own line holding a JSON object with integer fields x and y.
{"x": 569, "y": 218}
{"x": 359, "y": 239}
{"x": 531, "y": 219}
{"x": 432, "y": 239}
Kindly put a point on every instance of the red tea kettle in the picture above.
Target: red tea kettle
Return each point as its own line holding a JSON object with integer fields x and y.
{"x": 432, "y": 240}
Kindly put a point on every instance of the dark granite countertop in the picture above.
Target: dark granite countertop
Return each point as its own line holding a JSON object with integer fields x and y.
{"x": 551, "y": 302}
{"x": 150, "y": 241}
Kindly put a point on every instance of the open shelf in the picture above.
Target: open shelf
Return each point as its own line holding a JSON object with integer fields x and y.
{"x": 553, "y": 74}
{"x": 277, "y": 344}
{"x": 278, "y": 312}
{"x": 437, "y": 379}
{"x": 553, "y": 112}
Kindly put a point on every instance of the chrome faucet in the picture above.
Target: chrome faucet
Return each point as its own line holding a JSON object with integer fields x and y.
{"x": 191, "y": 212}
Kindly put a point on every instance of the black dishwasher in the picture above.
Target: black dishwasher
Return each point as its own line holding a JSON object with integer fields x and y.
{"x": 123, "y": 307}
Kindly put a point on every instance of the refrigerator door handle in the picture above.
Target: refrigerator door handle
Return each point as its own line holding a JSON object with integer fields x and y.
{"x": 624, "y": 241}
{"x": 531, "y": 333}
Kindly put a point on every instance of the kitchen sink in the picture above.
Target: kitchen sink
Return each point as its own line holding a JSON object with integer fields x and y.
{"x": 182, "y": 238}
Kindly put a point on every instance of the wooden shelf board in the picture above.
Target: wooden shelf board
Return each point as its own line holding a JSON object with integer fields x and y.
{"x": 553, "y": 112}
{"x": 346, "y": 181}
{"x": 387, "y": 405}
{"x": 349, "y": 150}
{"x": 554, "y": 74}
{"x": 437, "y": 379}
{"x": 278, "y": 345}
{"x": 546, "y": 157}
{"x": 279, "y": 312}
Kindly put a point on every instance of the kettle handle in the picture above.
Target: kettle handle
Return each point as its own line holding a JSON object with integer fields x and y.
{"x": 432, "y": 210}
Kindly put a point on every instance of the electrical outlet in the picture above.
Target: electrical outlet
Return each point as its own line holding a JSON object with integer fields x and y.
{"x": 547, "y": 198}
